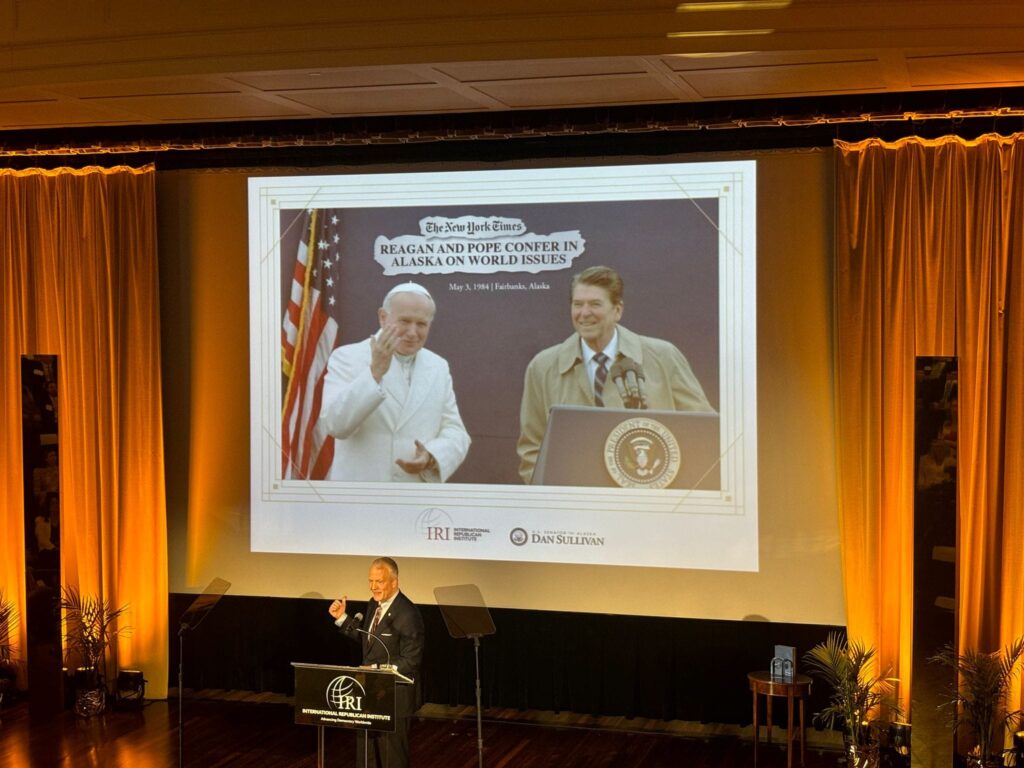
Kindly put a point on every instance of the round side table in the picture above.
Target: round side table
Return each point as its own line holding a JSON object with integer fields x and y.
{"x": 798, "y": 688}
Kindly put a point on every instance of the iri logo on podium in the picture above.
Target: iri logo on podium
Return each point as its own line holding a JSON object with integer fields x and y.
{"x": 345, "y": 694}
{"x": 434, "y": 524}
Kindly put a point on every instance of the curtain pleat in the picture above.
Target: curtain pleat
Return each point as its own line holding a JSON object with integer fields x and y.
{"x": 79, "y": 280}
{"x": 929, "y": 237}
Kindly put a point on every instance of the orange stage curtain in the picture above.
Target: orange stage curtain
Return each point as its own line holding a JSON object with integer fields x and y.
{"x": 930, "y": 261}
{"x": 79, "y": 280}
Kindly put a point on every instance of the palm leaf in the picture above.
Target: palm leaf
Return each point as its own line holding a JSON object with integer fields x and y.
{"x": 846, "y": 666}
{"x": 8, "y": 628}
{"x": 978, "y": 699}
{"x": 91, "y": 626}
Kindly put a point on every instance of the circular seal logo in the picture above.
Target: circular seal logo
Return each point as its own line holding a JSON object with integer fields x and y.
{"x": 432, "y": 518}
{"x": 343, "y": 691}
{"x": 518, "y": 537}
{"x": 642, "y": 453}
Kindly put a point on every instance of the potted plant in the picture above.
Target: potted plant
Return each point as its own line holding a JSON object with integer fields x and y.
{"x": 8, "y": 633}
{"x": 857, "y": 693}
{"x": 91, "y": 626}
{"x": 978, "y": 700}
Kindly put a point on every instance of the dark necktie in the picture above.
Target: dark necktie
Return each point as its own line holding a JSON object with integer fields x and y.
{"x": 599, "y": 377}
{"x": 376, "y": 620}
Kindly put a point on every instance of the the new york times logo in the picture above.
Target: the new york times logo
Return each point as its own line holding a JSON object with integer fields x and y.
{"x": 345, "y": 694}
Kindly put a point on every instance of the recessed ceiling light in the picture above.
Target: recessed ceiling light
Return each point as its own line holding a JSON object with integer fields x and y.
{"x": 721, "y": 32}
{"x": 711, "y": 54}
{"x": 734, "y": 5}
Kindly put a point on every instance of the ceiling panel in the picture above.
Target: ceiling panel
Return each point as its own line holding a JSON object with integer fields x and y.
{"x": 966, "y": 69}
{"x": 380, "y": 101}
{"x": 331, "y": 78}
{"x": 739, "y": 59}
{"x": 628, "y": 89}
{"x": 476, "y": 71}
{"x": 149, "y": 86}
{"x": 759, "y": 82}
{"x": 15, "y": 95}
{"x": 201, "y": 107}
{"x": 49, "y": 113}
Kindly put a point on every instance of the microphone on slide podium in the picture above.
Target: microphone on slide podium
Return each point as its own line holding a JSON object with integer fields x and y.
{"x": 628, "y": 376}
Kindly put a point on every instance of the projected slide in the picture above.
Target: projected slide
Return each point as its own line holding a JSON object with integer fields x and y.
{"x": 520, "y": 461}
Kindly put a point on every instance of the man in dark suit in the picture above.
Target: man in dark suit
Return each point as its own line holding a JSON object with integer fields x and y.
{"x": 390, "y": 633}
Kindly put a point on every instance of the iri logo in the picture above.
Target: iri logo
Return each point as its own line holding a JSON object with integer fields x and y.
{"x": 345, "y": 694}
{"x": 434, "y": 524}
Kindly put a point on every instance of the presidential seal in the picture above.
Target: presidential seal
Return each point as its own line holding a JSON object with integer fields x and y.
{"x": 642, "y": 453}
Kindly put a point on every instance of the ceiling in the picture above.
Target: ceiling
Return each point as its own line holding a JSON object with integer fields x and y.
{"x": 143, "y": 63}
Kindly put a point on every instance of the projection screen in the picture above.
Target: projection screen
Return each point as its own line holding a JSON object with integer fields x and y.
{"x": 497, "y": 251}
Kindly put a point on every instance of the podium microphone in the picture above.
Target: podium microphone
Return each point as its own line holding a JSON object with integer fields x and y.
{"x": 628, "y": 376}
{"x": 358, "y": 618}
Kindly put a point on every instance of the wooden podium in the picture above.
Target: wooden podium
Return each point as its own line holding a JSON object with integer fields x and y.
{"x": 356, "y": 698}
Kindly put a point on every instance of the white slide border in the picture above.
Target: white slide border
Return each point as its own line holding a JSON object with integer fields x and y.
{"x": 662, "y": 528}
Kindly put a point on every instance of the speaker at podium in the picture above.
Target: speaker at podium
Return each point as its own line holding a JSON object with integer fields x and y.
{"x": 624, "y": 448}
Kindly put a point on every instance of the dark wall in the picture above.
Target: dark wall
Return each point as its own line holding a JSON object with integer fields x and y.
{"x": 596, "y": 664}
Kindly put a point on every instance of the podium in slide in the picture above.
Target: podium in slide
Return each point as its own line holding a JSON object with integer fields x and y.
{"x": 624, "y": 448}
{"x": 357, "y": 698}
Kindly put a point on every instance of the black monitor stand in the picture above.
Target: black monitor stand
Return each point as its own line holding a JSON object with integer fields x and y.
{"x": 191, "y": 619}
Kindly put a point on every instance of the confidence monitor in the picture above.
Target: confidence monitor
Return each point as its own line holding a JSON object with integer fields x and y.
{"x": 616, "y": 447}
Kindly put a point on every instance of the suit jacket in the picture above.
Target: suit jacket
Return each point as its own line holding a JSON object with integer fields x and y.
{"x": 558, "y": 376}
{"x": 373, "y": 425}
{"x": 401, "y": 632}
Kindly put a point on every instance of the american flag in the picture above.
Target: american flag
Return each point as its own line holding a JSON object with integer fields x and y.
{"x": 308, "y": 336}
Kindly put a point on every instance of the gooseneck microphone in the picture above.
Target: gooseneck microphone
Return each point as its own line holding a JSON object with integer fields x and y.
{"x": 628, "y": 376}
{"x": 358, "y": 619}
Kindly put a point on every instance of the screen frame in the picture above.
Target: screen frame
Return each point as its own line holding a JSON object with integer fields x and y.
{"x": 615, "y": 526}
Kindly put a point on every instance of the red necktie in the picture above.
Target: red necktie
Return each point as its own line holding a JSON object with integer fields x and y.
{"x": 376, "y": 620}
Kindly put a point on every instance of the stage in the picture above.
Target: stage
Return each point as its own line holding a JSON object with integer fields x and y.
{"x": 239, "y": 730}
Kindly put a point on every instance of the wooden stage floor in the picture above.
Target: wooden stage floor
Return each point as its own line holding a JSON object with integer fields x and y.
{"x": 243, "y": 731}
